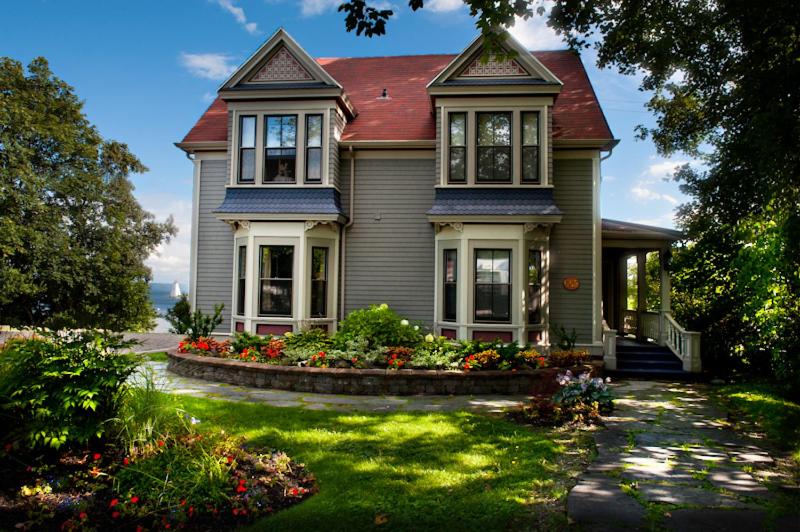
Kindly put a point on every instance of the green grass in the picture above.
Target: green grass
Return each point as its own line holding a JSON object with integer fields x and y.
{"x": 412, "y": 471}
{"x": 765, "y": 407}
{"x": 156, "y": 357}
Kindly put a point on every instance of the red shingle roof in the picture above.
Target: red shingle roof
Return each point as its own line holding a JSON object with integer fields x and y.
{"x": 407, "y": 115}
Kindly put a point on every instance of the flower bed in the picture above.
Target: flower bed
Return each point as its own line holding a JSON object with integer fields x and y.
{"x": 366, "y": 381}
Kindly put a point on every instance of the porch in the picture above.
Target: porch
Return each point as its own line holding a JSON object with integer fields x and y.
{"x": 636, "y": 295}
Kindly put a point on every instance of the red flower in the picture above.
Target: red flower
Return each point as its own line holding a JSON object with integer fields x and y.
{"x": 235, "y": 511}
{"x": 125, "y": 461}
{"x": 230, "y": 458}
{"x": 161, "y": 443}
{"x": 293, "y": 492}
{"x": 241, "y": 488}
{"x": 115, "y": 515}
{"x": 139, "y": 528}
{"x": 113, "y": 503}
{"x": 97, "y": 456}
{"x": 83, "y": 516}
{"x": 134, "y": 499}
{"x": 183, "y": 502}
{"x": 191, "y": 510}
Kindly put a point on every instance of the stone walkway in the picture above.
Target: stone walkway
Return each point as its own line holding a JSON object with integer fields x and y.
{"x": 172, "y": 383}
{"x": 667, "y": 461}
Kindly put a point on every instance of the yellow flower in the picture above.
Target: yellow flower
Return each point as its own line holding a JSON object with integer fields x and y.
{"x": 429, "y": 338}
{"x": 383, "y": 306}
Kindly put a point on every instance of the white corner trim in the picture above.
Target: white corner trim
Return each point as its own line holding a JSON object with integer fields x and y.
{"x": 198, "y": 161}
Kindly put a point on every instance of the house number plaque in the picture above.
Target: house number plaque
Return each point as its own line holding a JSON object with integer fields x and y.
{"x": 571, "y": 283}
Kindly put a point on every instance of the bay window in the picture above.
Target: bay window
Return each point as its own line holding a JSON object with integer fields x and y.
{"x": 319, "y": 282}
{"x": 280, "y": 149}
{"x": 247, "y": 149}
{"x": 530, "y": 147}
{"x": 534, "y": 289}
{"x": 241, "y": 279}
{"x": 493, "y": 147}
{"x": 276, "y": 264}
{"x": 493, "y": 285}
{"x": 457, "y": 135}
{"x": 313, "y": 148}
{"x": 450, "y": 282}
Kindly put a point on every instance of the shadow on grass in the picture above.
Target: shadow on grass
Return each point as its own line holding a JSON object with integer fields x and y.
{"x": 418, "y": 471}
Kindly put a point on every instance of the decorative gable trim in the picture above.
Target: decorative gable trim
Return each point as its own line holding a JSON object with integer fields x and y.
{"x": 280, "y": 67}
{"x": 277, "y": 60}
{"x": 469, "y": 66}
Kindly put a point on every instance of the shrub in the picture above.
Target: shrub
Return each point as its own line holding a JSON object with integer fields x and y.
{"x": 397, "y": 357}
{"x": 567, "y": 359}
{"x": 583, "y": 390}
{"x": 245, "y": 340}
{"x": 314, "y": 339}
{"x": 194, "y": 325}
{"x": 180, "y": 315}
{"x": 437, "y": 353}
{"x": 380, "y": 325}
{"x": 206, "y": 346}
{"x": 565, "y": 340}
{"x": 542, "y": 411}
{"x": 60, "y": 388}
{"x": 486, "y": 359}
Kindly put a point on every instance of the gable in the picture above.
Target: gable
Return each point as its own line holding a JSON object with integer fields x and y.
{"x": 281, "y": 66}
{"x": 492, "y": 68}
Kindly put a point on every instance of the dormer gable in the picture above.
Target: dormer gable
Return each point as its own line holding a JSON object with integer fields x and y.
{"x": 514, "y": 71}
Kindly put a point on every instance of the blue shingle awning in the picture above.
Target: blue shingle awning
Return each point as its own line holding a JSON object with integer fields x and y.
{"x": 290, "y": 200}
{"x": 494, "y": 202}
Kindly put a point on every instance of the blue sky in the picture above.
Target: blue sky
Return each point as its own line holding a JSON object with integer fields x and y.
{"x": 148, "y": 69}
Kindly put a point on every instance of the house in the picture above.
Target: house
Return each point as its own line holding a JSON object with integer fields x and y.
{"x": 464, "y": 193}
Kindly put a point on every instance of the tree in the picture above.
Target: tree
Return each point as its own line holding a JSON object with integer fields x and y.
{"x": 724, "y": 76}
{"x": 73, "y": 239}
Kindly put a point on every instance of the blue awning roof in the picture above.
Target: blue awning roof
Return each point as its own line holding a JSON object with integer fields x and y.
{"x": 294, "y": 200}
{"x": 494, "y": 201}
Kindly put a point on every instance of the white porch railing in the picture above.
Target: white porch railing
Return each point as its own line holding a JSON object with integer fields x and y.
{"x": 609, "y": 347}
{"x": 650, "y": 326}
{"x": 685, "y": 344}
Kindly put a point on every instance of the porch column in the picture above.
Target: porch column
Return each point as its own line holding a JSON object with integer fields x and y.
{"x": 622, "y": 291}
{"x": 641, "y": 282}
{"x": 666, "y": 282}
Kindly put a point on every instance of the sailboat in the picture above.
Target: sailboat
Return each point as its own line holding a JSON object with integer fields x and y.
{"x": 175, "y": 293}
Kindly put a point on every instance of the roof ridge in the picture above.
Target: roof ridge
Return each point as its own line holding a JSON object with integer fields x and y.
{"x": 425, "y": 55}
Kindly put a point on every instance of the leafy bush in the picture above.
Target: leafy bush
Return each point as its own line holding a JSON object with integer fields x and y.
{"x": 580, "y": 400}
{"x": 246, "y": 340}
{"x": 206, "y": 346}
{"x": 568, "y": 359}
{"x": 380, "y": 325}
{"x": 314, "y": 339}
{"x": 565, "y": 340}
{"x": 194, "y": 325}
{"x": 486, "y": 359}
{"x": 583, "y": 390}
{"x": 59, "y": 388}
{"x": 437, "y": 353}
{"x": 397, "y": 357}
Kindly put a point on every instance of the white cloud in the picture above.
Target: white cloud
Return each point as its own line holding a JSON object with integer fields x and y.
{"x": 641, "y": 192}
{"x": 170, "y": 262}
{"x": 209, "y": 66}
{"x": 310, "y": 8}
{"x": 664, "y": 169}
{"x": 534, "y": 33}
{"x": 239, "y": 15}
{"x": 444, "y": 6}
{"x": 609, "y": 178}
{"x": 663, "y": 220}
{"x": 209, "y": 97}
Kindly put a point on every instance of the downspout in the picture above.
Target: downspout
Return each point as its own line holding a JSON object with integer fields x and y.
{"x": 351, "y": 201}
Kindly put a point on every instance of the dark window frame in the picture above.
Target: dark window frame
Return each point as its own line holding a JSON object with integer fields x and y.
{"x": 318, "y": 148}
{"x": 324, "y": 282}
{"x": 458, "y": 147}
{"x": 241, "y": 149}
{"x": 261, "y": 281}
{"x": 284, "y": 150}
{"x": 509, "y": 285}
{"x": 536, "y": 148}
{"x": 241, "y": 280}
{"x": 535, "y": 317}
{"x": 447, "y": 316}
{"x": 494, "y": 147}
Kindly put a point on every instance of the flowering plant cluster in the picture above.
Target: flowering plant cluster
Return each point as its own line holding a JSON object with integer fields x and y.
{"x": 568, "y": 358}
{"x": 205, "y": 345}
{"x": 320, "y": 360}
{"x": 533, "y": 358}
{"x": 397, "y": 357}
{"x": 581, "y": 399}
{"x": 584, "y": 389}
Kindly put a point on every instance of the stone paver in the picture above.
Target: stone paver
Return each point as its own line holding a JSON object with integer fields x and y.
{"x": 172, "y": 383}
{"x": 667, "y": 460}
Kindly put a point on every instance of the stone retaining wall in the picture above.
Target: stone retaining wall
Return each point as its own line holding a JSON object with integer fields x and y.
{"x": 365, "y": 381}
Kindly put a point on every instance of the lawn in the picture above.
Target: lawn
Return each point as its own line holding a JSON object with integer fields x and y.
{"x": 156, "y": 357}
{"x": 412, "y": 471}
{"x": 765, "y": 407}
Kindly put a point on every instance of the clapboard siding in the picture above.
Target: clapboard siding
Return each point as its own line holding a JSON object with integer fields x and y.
{"x": 571, "y": 247}
{"x": 390, "y": 246}
{"x": 214, "y": 244}
{"x": 337, "y": 125}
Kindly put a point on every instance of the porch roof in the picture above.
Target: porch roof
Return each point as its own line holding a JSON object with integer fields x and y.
{"x": 494, "y": 202}
{"x": 619, "y": 230}
{"x": 295, "y": 200}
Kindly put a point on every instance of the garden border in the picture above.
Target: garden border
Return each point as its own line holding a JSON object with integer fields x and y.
{"x": 368, "y": 381}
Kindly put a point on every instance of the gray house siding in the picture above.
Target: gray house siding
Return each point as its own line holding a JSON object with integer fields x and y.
{"x": 571, "y": 248}
{"x": 390, "y": 246}
{"x": 337, "y": 123}
{"x": 214, "y": 244}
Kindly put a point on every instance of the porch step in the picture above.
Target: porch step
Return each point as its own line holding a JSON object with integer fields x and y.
{"x": 645, "y": 364}
{"x": 644, "y": 359}
{"x": 655, "y": 374}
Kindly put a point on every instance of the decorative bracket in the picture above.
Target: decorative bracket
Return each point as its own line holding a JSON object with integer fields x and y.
{"x": 458, "y": 226}
{"x": 531, "y": 226}
{"x": 236, "y": 224}
{"x": 311, "y": 224}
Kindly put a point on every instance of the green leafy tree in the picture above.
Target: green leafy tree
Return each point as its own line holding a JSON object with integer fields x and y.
{"x": 73, "y": 239}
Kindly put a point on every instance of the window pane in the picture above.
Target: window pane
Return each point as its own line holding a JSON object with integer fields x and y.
{"x": 277, "y": 262}
{"x": 458, "y": 164}
{"x": 314, "y": 164}
{"x": 502, "y": 129}
{"x": 242, "y": 265}
{"x": 247, "y": 164}
{"x": 485, "y": 164}
{"x": 450, "y": 265}
{"x": 450, "y": 286}
{"x": 247, "y": 138}
{"x": 502, "y": 164}
{"x": 483, "y": 266}
{"x": 534, "y": 266}
{"x": 500, "y": 265}
{"x": 288, "y": 131}
{"x": 319, "y": 264}
{"x": 483, "y": 302}
{"x": 314, "y": 130}
{"x": 276, "y": 298}
{"x": 501, "y": 302}
{"x": 530, "y": 129}
{"x": 530, "y": 164}
{"x": 273, "y": 131}
{"x": 458, "y": 129}
{"x": 485, "y": 134}
{"x": 450, "y": 302}
{"x": 318, "y": 299}
{"x": 280, "y": 165}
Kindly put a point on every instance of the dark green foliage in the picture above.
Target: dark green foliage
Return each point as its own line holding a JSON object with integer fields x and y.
{"x": 180, "y": 315}
{"x": 60, "y": 389}
{"x": 380, "y": 325}
{"x": 73, "y": 239}
{"x": 200, "y": 325}
{"x": 309, "y": 340}
{"x": 246, "y": 340}
{"x": 565, "y": 340}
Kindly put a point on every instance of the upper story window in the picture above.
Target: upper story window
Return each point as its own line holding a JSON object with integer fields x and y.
{"x": 457, "y": 141}
{"x": 313, "y": 148}
{"x": 280, "y": 149}
{"x": 530, "y": 147}
{"x": 247, "y": 149}
{"x": 494, "y": 148}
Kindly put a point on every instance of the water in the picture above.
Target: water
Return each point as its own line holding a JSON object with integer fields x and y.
{"x": 159, "y": 295}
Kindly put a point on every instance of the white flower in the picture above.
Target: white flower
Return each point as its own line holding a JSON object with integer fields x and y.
{"x": 608, "y": 380}
{"x": 416, "y": 327}
{"x": 404, "y": 323}
{"x": 195, "y": 421}
{"x": 383, "y": 306}
{"x": 429, "y": 338}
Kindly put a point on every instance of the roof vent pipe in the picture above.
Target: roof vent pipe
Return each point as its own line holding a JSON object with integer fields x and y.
{"x": 384, "y": 94}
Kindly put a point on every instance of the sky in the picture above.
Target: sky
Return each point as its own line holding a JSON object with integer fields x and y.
{"x": 147, "y": 70}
